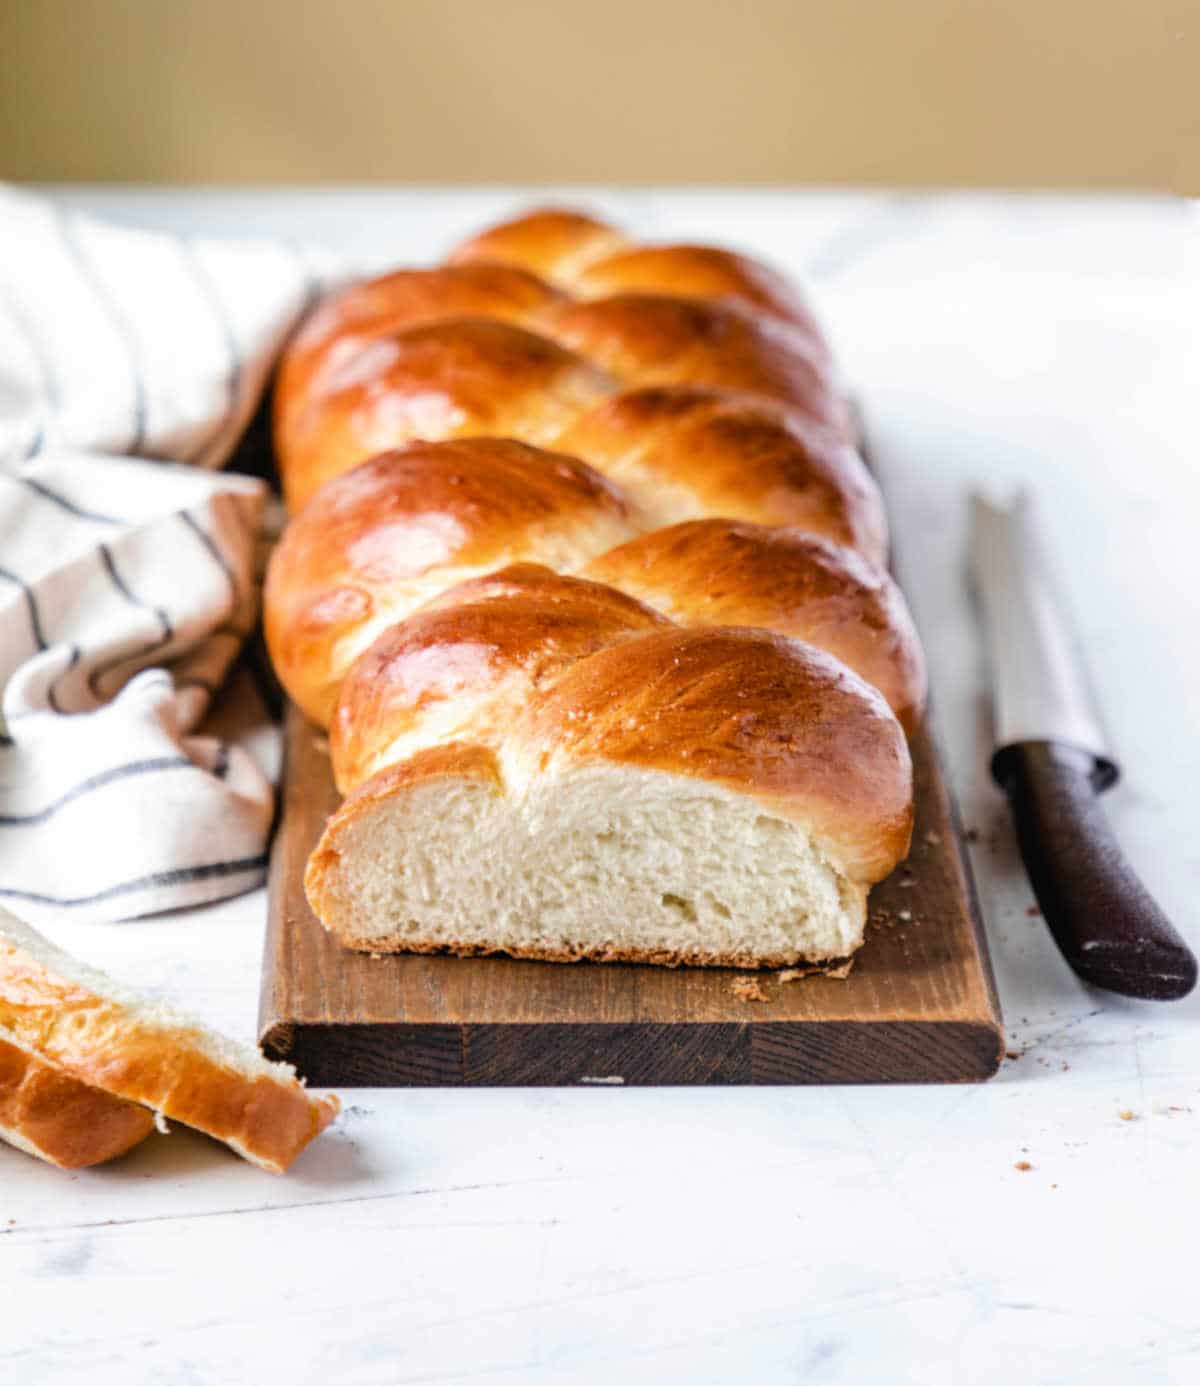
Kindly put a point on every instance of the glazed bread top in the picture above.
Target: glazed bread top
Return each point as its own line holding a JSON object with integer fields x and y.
{"x": 726, "y": 573}
{"x": 569, "y": 500}
{"x": 527, "y": 327}
{"x": 393, "y": 533}
{"x": 476, "y": 348}
{"x": 690, "y": 452}
{"x": 588, "y": 259}
{"x": 465, "y": 665}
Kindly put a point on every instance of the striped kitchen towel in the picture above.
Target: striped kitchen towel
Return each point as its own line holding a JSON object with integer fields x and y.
{"x": 128, "y": 582}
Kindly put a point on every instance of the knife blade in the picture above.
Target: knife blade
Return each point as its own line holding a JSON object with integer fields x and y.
{"x": 1053, "y": 762}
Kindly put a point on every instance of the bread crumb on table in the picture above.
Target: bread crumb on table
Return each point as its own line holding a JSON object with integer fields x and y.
{"x": 1023, "y": 1166}
{"x": 1126, "y": 1115}
{"x": 748, "y": 989}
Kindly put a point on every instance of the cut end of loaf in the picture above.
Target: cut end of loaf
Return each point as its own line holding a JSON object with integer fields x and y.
{"x": 609, "y": 863}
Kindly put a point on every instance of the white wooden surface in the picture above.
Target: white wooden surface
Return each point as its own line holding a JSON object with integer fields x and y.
{"x": 737, "y": 1236}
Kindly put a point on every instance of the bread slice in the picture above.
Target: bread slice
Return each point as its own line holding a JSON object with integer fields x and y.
{"x": 81, "y": 1023}
{"x": 60, "y": 1120}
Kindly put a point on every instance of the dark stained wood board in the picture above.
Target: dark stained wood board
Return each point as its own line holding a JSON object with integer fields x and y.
{"x": 919, "y": 1004}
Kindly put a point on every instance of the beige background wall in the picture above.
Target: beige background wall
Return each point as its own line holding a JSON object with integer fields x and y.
{"x": 1013, "y": 92}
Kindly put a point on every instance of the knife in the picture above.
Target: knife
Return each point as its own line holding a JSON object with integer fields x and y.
{"x": 1052, "y": 761}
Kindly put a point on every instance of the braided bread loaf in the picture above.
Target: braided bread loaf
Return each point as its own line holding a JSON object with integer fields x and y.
{"x": 586, "y": 578}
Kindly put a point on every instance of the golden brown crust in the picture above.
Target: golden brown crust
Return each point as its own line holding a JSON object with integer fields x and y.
{"x": 49, "y": 1114}
{"x": 378, "y": 541}
{"x": 696, "y": 381}
{"x": 346, "y": 321}
{"x": 723, "y": 572}
{"x": 606, "y": 953}
{"x": 471, "y": 659}
{"x": 101, "y": 1042}
{"x": 761, "y": 714}
{"x": 554, "y": 242}
{"x": 456, "y": 378}
{"x": 593, "y": 260}
{"x": 698, "y": 271}
{"x": 687, "y": 452}
{"x": 650, "y": 339}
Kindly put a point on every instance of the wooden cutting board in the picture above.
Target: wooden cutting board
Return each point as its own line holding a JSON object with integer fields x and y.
{"x": 919, "y": 1005}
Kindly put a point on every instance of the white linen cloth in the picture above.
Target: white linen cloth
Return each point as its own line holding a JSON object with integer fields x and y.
{"x": 128, "y": 582}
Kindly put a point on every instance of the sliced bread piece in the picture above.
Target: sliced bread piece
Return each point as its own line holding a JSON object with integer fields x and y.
{"x": 61, "y": 1120}
{"x": 102, "y": 1034}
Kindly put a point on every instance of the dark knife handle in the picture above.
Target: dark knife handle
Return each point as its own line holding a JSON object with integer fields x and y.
{"x": 1102, "y": 917}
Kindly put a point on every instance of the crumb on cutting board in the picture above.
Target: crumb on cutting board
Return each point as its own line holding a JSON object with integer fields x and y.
{"x": 887, "y": 919}
{"x": 794, "y": 974}
{"x": 748, "y": 989}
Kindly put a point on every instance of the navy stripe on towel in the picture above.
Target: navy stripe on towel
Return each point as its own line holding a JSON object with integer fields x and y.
{"x": 105, "y": 777}
{"x": 35, "y": 619}
{"x": 66, "y": 503}
{"x": 166, "y": 635}
{"x": 180, "y": 876}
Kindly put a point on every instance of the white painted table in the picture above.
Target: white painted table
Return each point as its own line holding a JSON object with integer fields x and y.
{"x": 855, "y": 1236}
